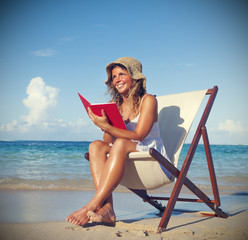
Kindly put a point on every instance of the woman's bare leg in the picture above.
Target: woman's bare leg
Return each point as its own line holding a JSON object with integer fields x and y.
{"x": 98, "y": 157}
{"x": 114, "y": 168}
{"x": 111, "y": 175}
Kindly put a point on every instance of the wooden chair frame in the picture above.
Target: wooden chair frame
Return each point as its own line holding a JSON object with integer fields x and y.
{"x": 181, "y": 175}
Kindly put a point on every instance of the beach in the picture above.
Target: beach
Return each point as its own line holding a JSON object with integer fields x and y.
{"x": 183, "y": 227}
{"x": 41, "y": 183}
{"x": 40, "y": 215}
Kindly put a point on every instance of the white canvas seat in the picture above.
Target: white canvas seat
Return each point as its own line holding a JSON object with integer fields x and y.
{"x": 176, "y": 115}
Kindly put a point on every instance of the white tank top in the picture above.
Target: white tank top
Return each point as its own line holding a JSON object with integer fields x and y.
{"x": 152, "y": 140}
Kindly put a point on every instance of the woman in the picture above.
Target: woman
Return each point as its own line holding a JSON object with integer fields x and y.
{"x": 127, "y": 86}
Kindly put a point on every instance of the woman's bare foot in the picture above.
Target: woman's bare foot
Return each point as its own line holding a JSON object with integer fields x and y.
{"x": 79, "y": 217}
{"x": 106, "y": 214}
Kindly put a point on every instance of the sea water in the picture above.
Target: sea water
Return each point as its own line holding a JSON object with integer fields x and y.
{"x": 48, "y": 179}
{"x": 51, "y": 165}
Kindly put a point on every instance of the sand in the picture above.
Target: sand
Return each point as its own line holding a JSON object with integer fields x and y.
{"x": 185, "y": 226}
{"x": 40, "y": 215}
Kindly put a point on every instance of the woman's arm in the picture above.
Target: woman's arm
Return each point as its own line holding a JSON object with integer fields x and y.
{"x": 148, "y": 115}
{"x": 108, "y": 138}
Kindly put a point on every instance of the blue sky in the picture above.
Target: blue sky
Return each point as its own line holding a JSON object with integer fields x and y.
{"x": 50, "y": 50}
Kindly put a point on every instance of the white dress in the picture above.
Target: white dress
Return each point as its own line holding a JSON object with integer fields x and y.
{"x": 152, "y": 140}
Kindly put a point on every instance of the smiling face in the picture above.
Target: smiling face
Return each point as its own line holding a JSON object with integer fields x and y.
{"x": 122, "y": 80}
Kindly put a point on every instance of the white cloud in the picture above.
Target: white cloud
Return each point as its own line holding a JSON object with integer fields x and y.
{"x": 231, "y": 127}
{"x": 47, "y": 52}
{"x": 66, "y": 40}
{"x": 11, "y": 126}
{"x": 77, "y": 126}
{"x": 38, "y": 124}
{"x": 40, "y": 98}
{"x": 189, "y": 65}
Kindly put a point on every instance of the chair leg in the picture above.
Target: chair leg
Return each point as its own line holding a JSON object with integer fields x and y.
{"x": 171, "y": 204}
{"x": 210, "y": 166}
{"x": 181, "y": 180}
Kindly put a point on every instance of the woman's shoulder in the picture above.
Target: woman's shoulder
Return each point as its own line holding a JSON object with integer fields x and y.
{"x": 149, "y": 97}
{"x": 148, "y": 100}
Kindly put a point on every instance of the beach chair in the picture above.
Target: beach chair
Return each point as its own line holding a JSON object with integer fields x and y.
{"x": 143, "y": 169}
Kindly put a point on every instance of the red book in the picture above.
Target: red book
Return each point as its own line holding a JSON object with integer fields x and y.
{"x": 110, "y": 109}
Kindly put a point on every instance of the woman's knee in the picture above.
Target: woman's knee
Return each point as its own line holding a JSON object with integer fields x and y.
{"x": 98, "y": 147}
{"x": 122, "y": 144}
{"x": 95, "y": 146}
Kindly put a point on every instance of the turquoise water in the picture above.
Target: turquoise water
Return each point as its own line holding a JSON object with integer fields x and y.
{"x": 45, "y": 165}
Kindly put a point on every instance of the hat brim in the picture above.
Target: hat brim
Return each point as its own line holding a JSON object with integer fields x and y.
{"x": 139, "y": 76}
{"x": 108, "y": 70}
{"x": 132, "y": 65}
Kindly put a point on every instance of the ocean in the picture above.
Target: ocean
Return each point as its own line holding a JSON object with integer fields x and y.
{"x": 46, "y": 181}
{"x": 51, "y": 165}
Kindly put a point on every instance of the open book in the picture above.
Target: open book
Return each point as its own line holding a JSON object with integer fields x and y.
{"x": 110, "y": 109}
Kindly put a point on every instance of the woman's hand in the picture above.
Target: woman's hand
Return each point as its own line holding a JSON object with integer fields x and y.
{"x": 101, "y": 122}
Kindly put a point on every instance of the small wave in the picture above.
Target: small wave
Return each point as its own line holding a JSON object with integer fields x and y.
{"x": 61, "y": 184}
{"x": 240, "y": 193}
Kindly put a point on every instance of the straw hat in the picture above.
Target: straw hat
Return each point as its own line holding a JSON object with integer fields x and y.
{"x": 133, "y": 66}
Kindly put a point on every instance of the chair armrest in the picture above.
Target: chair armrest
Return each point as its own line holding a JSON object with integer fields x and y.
{"x": 132, "y": 155}
{"x": 87, "y": 156}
